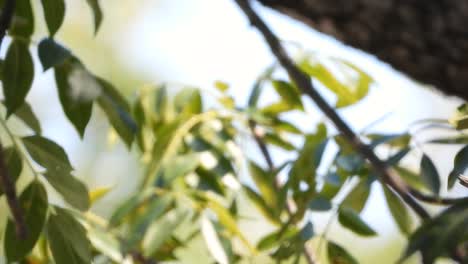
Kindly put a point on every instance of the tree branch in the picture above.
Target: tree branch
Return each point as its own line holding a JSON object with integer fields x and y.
{"x": 10, "y": 192}
{"x": 389, "y": 176}
{"x": 6, "y": 17}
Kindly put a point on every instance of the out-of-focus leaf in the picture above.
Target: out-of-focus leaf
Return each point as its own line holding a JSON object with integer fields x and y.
{"x": 429, "y": 175}
{"x": 18, "y": 75}
{"x": 77, "y": 90}
{"x": 397, "y": 157}
{"x": 393, "y": 140}
{"x": 307, "y": 232}
{"x": 399, "y": 211}
{"x": 310, "y": 156}
{"x": 221, "y": 86}
{"x": 213, "y": 242}
{"x": 460, "y": 119}
{"x": 106, "y": 244}
{"x": 289, "y": 93}
{"x": 160, "y": 231}
{"x": 347, "y": 94}
{"x": 278, "y": 141}
{"x": 118, "y": 112}
{"x": 339, "y": 255}
{"x": 228, "y": 221}
{"x": 455, "y": 140}
{"x": 411, "y": 178}
{"x": 67, "y": 239}
{"x": 34, "y": 203}
{"x": 275, "y": 238}
{"x": 26, "y": 114}
{"x": 98, "y": 193}
{"x": 265, "y": 183}
{"x": 54, "y": 12}
{"x": 284, "y": 126}
{"x": 127, "y": 207}
{"x": 332, "y": 185}
{"x": 97, "y": 13}
{"x": 460, "y": 164}
{"x": 277, "y": 108}
{"x": 442, "y": 235}
{"x": 352, "y": 221}
{"x": 261, "y": 205}
{"x": 52, "y": 54}
{"x": 180, "y": 166}
{"x": 320, "y": 203}
{"x": 23, "y": 20}
{"x": 358, "y": 197}
{"x": 14, "y": 164}
{"x": 188, "y": 101}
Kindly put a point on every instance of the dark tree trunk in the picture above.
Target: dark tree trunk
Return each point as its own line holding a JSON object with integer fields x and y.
{"x": 425, "y": 39}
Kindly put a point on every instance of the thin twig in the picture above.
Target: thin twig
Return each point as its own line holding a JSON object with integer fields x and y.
{"x": 305, "y": 85}
{"x": 308, "y": 253}
{"x": 436, "y": 200}
{"x": 6, "y": 17}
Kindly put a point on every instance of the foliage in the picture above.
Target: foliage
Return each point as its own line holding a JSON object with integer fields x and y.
{"x": 196, "y": 172}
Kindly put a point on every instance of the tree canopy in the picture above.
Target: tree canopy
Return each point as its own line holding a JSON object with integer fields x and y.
{"x": 199, "y": 182}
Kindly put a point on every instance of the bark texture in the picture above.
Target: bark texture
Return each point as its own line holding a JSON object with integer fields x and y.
{"x": 425, "y": 39}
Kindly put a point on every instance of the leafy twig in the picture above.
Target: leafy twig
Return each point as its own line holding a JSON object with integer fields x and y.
{"x": 389, "y": 176}
{"x": 309, "y": 255}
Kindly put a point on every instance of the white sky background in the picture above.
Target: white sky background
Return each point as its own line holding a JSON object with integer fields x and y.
{"x": 198, "y": 42}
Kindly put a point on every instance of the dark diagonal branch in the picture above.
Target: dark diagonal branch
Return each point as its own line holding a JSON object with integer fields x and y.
{"x": 8, "y": 10}
{"x": 9, "y": 189}
{"x": 304, "y": 83}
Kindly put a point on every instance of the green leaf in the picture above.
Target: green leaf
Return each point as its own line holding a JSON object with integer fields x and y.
{"x": 18, "y": 75}
{"x": 265, "y": 183}
{"x": 277, "y": 140}
{"x": 118, "y": 112}
{"x": 392, "y": 140}
{"x": 429, "y": 174}
{"x": 320, "y": 203}
{"x": 277, "y": 108}
{"x": 228, "y": 221}
{"x": 289, "y": 93}
{"x": 67, "y": 239}
{"x": 221, "y": 86}
{"x": 105, "y": 243}
{"x": 455, "y": 140}
{"x": 34, "y": 203}
{"x": 442, "y": 235}
{"x": 52, "y": 157}
{"x": 181, "y": 166}
{"x": 399, "y": 211}
{"x": 14, "y": 164}
{"x": 411, "y": 178}
{"x": 352, "y": 221}
{"x": 73, "y": 191}
{"x": 255, "y": 94}
{"x": 358, "y": 197}
{"x": 188, "y": 101}
{"x": 213, "y": 243}
{"x": 26, "y": 114}
{"x": 460, "y": 118}
{"x": 127, "y": 207}
{"x": 160, "y": 231}
{"x": 97, "y": 13}
{"x": 310, "y": 156}
{"x": 460, "y": 164}
{"x": 339, "y": 255}
{"x": 72, "y": 82}
{"x": 47, "y": 153}
{"x": 98, "y": 193}
{"x": 276, "y": 238}
{"x": 54, "y": 12}
{"x": 261, "y": 205}
{"x": 52, "y": 54}
{"x": 23, "y": 20}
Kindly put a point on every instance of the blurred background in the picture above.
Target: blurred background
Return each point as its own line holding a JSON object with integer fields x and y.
{"x": 187, "y": 42}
